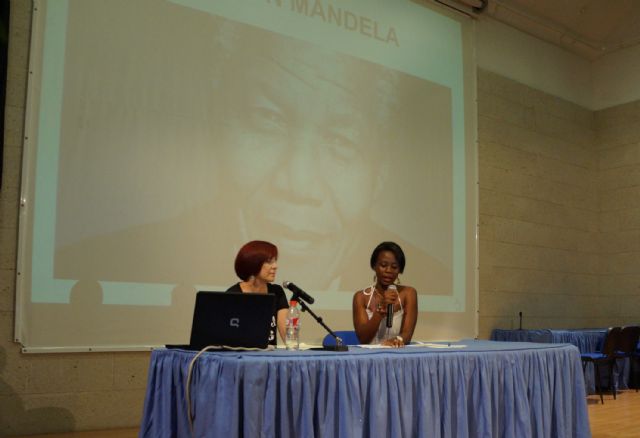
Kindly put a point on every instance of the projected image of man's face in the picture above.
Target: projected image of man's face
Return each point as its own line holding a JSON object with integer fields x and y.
{"x": 302, "y": 136}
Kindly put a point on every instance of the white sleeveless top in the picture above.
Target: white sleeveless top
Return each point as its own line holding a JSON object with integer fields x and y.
{"x": 383, "y": 331}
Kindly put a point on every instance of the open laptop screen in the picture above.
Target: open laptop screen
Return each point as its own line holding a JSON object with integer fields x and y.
{"x": 231, "y": 319}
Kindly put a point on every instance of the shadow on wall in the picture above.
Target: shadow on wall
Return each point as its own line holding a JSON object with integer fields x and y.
{"x": 87, "y": 321}
{"x": 16, "y": 420}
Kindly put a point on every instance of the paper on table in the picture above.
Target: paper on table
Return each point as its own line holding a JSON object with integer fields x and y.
{"x": 433, "y": 345}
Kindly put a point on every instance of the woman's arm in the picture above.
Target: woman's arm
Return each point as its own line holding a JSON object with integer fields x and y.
{"x": 281, "y": 322}
{"x": 282, "y": 306}
{"x": 410, "y": 313}
{"x": 365, "y": 328}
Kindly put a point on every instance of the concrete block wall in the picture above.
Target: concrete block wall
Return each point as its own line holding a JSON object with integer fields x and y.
{"x": 538, "y": 210}
{"x": 559, "y": 210}
{"x": 618, "y": 157}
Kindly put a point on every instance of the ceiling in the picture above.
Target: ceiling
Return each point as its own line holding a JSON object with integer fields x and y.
{"x": 589, "y": 28}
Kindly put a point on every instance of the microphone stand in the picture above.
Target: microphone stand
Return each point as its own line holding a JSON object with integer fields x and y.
{"x": 339, "y": 345}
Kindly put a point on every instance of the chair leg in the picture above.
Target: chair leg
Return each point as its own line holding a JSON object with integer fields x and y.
{"x": 632, "y": 376}
{"x": 597, "y": 382}
{"x": 612, "y": 383}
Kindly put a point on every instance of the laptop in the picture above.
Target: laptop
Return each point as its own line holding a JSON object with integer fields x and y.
{"x": 234, "y": 320}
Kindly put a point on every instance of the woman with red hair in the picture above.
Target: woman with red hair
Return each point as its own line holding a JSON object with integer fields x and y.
{"x": 256, "y": 265}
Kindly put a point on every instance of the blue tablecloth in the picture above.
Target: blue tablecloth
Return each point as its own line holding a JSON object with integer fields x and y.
{"x": 484, "y": 389}
{"x": 587, "y": 341}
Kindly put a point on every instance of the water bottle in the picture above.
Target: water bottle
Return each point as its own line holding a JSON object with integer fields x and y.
{"x": 292, "y": 336}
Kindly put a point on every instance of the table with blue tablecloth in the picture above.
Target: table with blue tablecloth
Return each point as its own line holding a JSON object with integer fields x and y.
{"x": 587, "y": 341}
{"x": 464, "y": 389}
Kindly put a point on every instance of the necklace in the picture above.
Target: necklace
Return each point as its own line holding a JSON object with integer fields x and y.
{"x": 373, "y": 289}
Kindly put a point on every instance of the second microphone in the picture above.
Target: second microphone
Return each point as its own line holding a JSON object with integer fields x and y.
{"x": 297, "y": 292}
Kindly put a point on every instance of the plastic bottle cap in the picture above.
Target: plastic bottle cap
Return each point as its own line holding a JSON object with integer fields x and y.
{"x": 293, "y": 303}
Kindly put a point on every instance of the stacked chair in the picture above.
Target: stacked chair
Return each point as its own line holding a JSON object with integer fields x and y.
{"x": 605, "y": 357}
{"x": 620, "y": 344}
{"x": 628, "y": 348}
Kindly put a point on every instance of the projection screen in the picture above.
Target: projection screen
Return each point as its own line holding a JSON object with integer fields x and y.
{"x": 162, "y": 135}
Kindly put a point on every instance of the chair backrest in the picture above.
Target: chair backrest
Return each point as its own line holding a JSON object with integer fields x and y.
{"x": 611, "y": 340}
{"x": 348, "y": 337}
{"x": 628, "y": 339}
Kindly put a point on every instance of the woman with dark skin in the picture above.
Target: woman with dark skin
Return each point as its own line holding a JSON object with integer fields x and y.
{"x": 370, "y": 304}
{"x": 256, "y": 265}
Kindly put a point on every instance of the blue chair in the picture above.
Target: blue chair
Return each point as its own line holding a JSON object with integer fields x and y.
{"x": 627, "y": 348}
{"x": 348, "y": 338}
{"x": 605, "y": 357}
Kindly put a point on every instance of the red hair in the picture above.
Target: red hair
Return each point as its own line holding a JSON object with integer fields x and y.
{"x": 252, "y": 256}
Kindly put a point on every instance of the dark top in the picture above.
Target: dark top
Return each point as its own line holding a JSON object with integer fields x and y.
{"x": 281, "y": 303}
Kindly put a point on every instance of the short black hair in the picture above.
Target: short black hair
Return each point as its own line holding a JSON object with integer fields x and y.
{"x": 392, "y": 247}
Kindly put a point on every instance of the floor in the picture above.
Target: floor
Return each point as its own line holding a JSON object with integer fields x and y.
{"x": 613, "y": 419}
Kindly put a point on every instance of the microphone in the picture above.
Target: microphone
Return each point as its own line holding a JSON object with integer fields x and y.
{"x": 297, "y": 292}
{"x": 520, "y": 314}
{"x": 390, "y": 308}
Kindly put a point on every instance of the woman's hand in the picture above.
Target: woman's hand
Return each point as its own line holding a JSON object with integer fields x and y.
{"x": 390, "y": 296}
{"x": 396, "y": 342}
